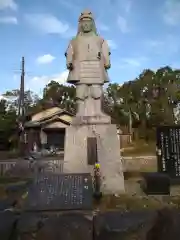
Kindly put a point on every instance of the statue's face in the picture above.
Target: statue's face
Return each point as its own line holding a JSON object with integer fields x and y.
{"x": 86, "y": 25}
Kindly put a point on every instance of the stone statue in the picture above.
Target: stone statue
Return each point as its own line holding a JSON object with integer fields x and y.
{"x": 88, "y": 59}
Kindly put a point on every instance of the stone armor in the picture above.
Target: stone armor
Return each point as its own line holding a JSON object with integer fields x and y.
{"x": 88, "y": 58}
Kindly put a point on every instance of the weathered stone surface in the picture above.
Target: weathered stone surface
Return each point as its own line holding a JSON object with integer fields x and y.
{"x": 7, "y": 225}
{"x": 91, "y": 119}
{"x": 117, "y": 225}
{"x": 29, "y": 222}
{"x": 66, "y": 227}
{"x": 108, "y": 154}
{"x": 139, "y": 225}
{"x": 165, "y": 226}
{"x": 6, "y": 204}
{"x": 112, "y": 225}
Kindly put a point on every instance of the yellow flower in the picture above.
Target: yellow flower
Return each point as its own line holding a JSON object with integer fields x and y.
{"x": 97, "y": 165}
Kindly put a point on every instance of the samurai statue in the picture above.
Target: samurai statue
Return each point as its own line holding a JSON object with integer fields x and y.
{"x": 88, "y": 59}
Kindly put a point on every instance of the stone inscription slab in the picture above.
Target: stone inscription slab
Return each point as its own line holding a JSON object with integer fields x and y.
{"x": 60, "y": 192}
{"x": 92, "y": 150}
{"x": 168, "y": 150}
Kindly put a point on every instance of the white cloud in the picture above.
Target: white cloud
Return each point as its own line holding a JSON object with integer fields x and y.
{"x": 171, "y": 12}
{"x": 173, "y": 44}
{"x": 9, "y": 20}
{"x": 71, "y": 5}
{"x": 127, "y": 6}
{"x": 132, "y": 62}
{"x": 49, "y": 24}
{"x": 11, "y": 4}
{"x": 2, "y": 98}
{"x": 112, "y": 44}
{"x": 175, "y": 65}
{"x": 16, "y": 77}
{"x": 122, "y": 23}
{"x": 124, "y": 6}
{"x": 154, "y": 43}
{"x": 62, "y": 77}
{"x": 101, "y": 26}
{"x": 169, "y": 44}
{"x": 47, "y": 58}
{"x": 37, "y": 83}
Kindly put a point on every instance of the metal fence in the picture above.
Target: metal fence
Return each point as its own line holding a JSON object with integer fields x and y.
{"x": 5, "y": 166}
{"x": 49, "y": 165}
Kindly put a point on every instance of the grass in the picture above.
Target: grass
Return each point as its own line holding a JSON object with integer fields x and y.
{"x": 4, "y": 155}
{"x": 133, "y": 164}
{"x": 127, "y": 202}
{"x": 2, "y": 192}
{"x": 140, "y": 148}
{"x": 9, "y": 180}
{"x": 133, "y": 174}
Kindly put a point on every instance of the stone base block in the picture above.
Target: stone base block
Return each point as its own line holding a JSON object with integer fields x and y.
{"x": 91, "y": 120}
{"x": 108, "y": 148}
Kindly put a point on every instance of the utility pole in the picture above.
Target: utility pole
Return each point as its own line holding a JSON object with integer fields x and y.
{"x": 21, "y": 111}
{"x": 21, "y": 93}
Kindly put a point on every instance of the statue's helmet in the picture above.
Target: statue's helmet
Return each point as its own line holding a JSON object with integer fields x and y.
{"x": 86, "y": 15}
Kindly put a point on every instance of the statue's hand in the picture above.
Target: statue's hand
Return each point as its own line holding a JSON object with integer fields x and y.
{"x": 70, "y": 66}
{"x": 108, "y": 66}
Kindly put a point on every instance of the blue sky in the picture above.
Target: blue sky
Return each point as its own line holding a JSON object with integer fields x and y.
{"x": 141, "y": 34}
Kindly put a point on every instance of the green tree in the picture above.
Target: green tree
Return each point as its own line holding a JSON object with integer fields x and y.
{"x": 60, "y": 95}
{"x": 30, "y": 99}
{"x": 7, "y": 124}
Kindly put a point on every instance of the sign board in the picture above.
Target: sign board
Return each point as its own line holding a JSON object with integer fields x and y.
{"x": 168, "y": 150}
{"x": 55, "y": 192}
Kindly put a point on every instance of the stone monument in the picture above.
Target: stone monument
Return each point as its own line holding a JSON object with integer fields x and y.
{"x": 88, "y": 59}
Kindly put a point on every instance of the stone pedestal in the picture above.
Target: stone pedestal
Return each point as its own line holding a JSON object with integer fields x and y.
{"x": 108, "y": 148}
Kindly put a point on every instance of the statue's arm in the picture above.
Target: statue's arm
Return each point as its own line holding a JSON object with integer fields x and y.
{"x": 69, "y": 56}
{"x": 106, "y": 54}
